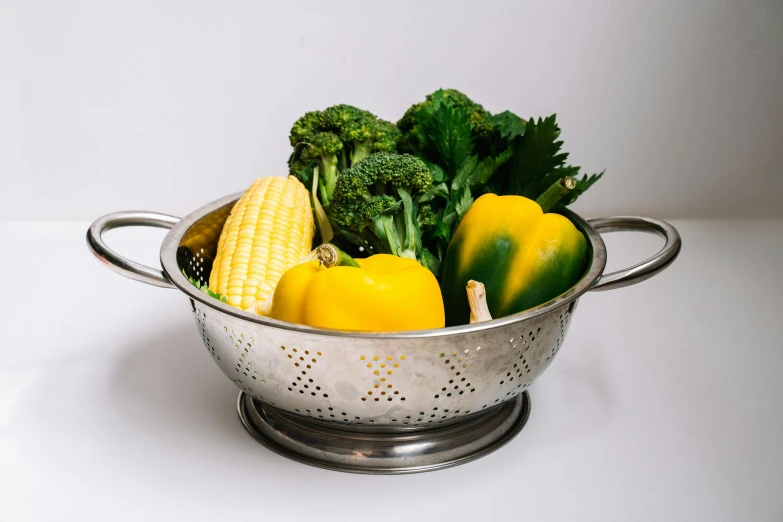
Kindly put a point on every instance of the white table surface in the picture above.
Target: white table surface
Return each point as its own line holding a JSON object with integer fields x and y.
{"x": 665, "y": 403}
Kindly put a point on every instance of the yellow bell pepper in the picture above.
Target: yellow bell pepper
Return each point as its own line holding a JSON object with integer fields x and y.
{"x": 384, "y": 294}
{"x": 523, "y": 256}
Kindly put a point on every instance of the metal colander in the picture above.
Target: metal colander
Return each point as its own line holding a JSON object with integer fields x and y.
{"x": 376, "y": 403}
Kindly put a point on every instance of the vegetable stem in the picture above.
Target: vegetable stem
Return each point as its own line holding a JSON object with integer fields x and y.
{"x": 330, "y": 176}
{"x": 324, "y": 225}
{"x": 329, "y": 256}
{"x": 477, "y": 298}
{"x": 555, "y": 193}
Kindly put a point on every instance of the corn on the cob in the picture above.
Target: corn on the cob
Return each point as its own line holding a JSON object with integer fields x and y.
{"x": 199, "y": 245}
{"x": 269, "y": 230}
{"x": 203, "y": 236}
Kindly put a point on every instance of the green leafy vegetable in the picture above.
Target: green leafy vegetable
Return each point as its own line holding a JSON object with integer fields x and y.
{"x": 538, "y": 161}
{"x": 463, "y": 203}
{"x": 438, "y": 190}
{"x": 488, "y": 166}
{"x": 447, "y": 129}
{"x": 581, "y": 185}
{"x": 463, "y": 146}
{"x": 369, "y": 193}
{"x": 204, "y": 288}
{"x": 469, "y": 151}
{"x": 536, "y": 156}
{"x": 430, "y": 261}
{"x": 509, "y": 125}
{"x": 415, "y": 139}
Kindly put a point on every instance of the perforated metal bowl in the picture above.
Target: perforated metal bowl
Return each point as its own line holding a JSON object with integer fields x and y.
{"x": 376, "y": 403}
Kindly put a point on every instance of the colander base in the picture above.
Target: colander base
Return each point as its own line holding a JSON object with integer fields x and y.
{"x": 383, "y": 451}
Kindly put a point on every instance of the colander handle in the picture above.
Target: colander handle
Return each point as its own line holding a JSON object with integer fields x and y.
{"x": 648, "y": 268}
{"x": 118, "y": 263}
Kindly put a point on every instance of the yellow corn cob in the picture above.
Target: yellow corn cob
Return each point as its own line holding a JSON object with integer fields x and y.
{"x": 203, "y": 235}
{"x": 268, "y": 231}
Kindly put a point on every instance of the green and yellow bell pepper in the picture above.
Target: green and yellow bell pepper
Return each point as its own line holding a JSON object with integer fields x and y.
{"x": 523, "y": 256}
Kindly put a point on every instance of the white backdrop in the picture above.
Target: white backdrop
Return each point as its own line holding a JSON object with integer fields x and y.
{"x": 165, "y": 105}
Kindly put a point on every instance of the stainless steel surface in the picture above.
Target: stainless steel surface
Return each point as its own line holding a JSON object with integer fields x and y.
{"x": 382, "y": 383}
{"x": 115, "y": 261}
{"x": 648, "y": 268}
{"x": 383, "y": 452}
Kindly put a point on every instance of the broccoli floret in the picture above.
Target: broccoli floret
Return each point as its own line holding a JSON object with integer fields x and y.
{"x": 372, "y": 207}
{"x": 427, "y": 217}
{"x": 375, "y": 197}
{"x": 410, "y": 139}
{"x": 336, "y": 139}
{"x": 480, "y": 119}
{"x": 385, "y": 137}
{"x": 304, "y": 128}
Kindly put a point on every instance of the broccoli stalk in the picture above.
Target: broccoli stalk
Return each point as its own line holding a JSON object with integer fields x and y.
{"x": 324, "y": 226}
{"x": 398, "y": 229}
{"x": 381, "y": 136}
{"x": 322, "y": 151}
{"x": 361, "y": 150}
{"x": 374, "y": 202}
{"x": 326, "y": 188}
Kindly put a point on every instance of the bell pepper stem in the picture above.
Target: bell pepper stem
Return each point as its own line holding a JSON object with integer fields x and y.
{"x": 329, "y": 255}
{"x": 555, "y": 193}
{"x": 477, "y": 298}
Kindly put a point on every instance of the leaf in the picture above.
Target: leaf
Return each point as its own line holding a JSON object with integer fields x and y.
{"x": 437, "y": 173}
{"x": 493, "y": 186}
{"x": 441, "y": 231}
{"x": 437, "y": 191}
{"x": 581, "y": 185}
{"x": 536, "y": 155}
{"x": 464, "y": 202}
{"x": 431, "y": 261}
{"x": 204, "y": 288}
{"x": 487, "y": 168}
{"x": 447, "y": 129}
{"x": 299, "y": 167}
{"x": 463, "y": 174}
{"x": 450, "y": 218}
{"x": 210, "y": 293}
{"x": 441, "y": 247}
{"x": 472, "y": 173}
{"x": 509, "y": 124}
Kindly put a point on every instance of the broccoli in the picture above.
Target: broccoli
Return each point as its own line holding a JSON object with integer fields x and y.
{"x": 479, "y": 119}
{"x": 336, "y": 139}
{"x": 374, "y": 201}
{"x": 427, "y": 217}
